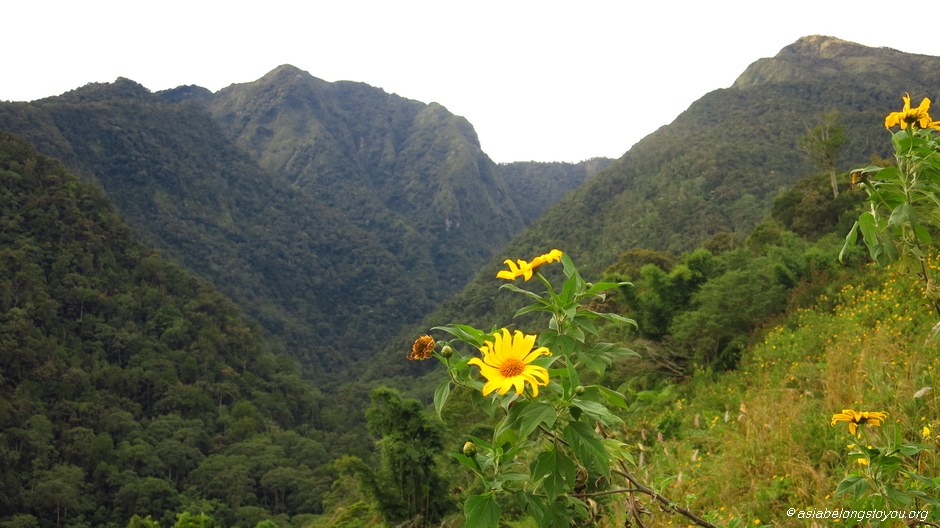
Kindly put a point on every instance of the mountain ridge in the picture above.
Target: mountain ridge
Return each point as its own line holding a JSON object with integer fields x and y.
{"x": 380, "y": 205}
{"x": 716, "y": 168}
{"x": 416, "y": 162}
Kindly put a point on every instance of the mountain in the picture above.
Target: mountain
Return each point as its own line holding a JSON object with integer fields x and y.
{"x": 289, "y": 259}
{"x": 717, "y": 168}
{"x": 334, "y": 213}
{"x": 411, "y": 171}
{"x": 127, "y": 385}
{"x": 544, "y": 183}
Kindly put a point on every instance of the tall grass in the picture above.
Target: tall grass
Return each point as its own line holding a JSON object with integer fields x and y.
{"x": 752, "y": 443}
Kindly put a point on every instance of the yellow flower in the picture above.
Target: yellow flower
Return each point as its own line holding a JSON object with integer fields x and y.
{"x": 422, "y": 348}
{"x": 925, "y": 433}
{"x": 521, "y": 268}
{"x": 507, "y": 362}
{"x": 912, "y": 116}
{"x": 854, "y": 419}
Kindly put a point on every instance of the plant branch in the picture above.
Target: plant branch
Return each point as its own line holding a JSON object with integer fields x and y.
{"x": 642, "y": 488}
{"x": 637, "y": 487}
{"x": 607, "y": 492}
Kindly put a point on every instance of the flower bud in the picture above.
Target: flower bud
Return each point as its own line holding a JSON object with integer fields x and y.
{"x": 469, "y": 449}
{"x": 447, "y": 351}
{"x": 579, "y": 390}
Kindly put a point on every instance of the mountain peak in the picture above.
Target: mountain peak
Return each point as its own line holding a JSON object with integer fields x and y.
{"x": 820, "y": 46}
{"x": 815, "y": 58}
{"x": 286, "y": 74}
{"x": 121, "y": 88}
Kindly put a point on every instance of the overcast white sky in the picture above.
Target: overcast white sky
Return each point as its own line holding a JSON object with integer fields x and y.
{"x": 539, "y": 80}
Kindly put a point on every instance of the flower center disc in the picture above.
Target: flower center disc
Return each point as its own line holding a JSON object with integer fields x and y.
{"x": 511, "y": 367}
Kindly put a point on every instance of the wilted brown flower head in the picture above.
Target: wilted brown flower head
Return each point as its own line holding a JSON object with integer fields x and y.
{"x": 422, "y": 348}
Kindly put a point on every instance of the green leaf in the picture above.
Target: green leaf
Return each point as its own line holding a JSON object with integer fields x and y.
{"x": 467, "y": 462}
{"x": 611, "y": 396}
{"x": 910, "y": 450}
{"x": 441, "y": 394}
{"x": 533, "y": 415}
{"x": 619, "y": 450}
{"x": 534, "y": 307}
{"x": 548, "y": 513}
{"x": 556, "y": 471}
{"x": 584, "y": 322}
{"x": 465, "y": 333}
{"x": 599, "y": 287}
{"x": 588, "y": 447}
{"x": 527, "y": 293}
{"x": 575, "y": 333}
{"x": 597, "y": 411}
{"x": 489, "y": 405}
{"x": 617, "y": 318}
{"x": 568, "y": 265}
{"x": 481, "y": 511}
{"x": 854, "y": 484}
{"x": 896, "y": 496}
{"x": 513, "y": 477}
{"x": 850, "y": 240}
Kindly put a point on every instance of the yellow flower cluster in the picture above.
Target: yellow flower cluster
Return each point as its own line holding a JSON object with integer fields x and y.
{"x": 854, "y": 419}
{"x": 524, "y": 269}
{"x": 913, "y": 117}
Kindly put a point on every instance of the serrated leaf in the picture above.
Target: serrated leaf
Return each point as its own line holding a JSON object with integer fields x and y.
{"x": 548, "y": 514}
{"x": 556, "y": 471}
{"x": 481, "y": 511}
{"x": 534, "y": 415}
{"x": 588, "y": 447}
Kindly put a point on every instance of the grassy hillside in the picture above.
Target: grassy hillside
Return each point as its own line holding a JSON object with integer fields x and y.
{"x": 751, "y": 443}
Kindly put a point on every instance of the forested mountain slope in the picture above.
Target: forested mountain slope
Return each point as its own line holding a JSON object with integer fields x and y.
{"x": 541, "y": 184}
{"x": 332, "y": 212}
{"x": 290, "y": 260}
{"x": 410, "y": 172}
{"x": 129, "y": 387}
{"x": 719, "y": 165}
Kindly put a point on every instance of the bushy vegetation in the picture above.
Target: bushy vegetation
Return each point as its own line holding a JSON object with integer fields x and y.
{"x": 746, "y": 445}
